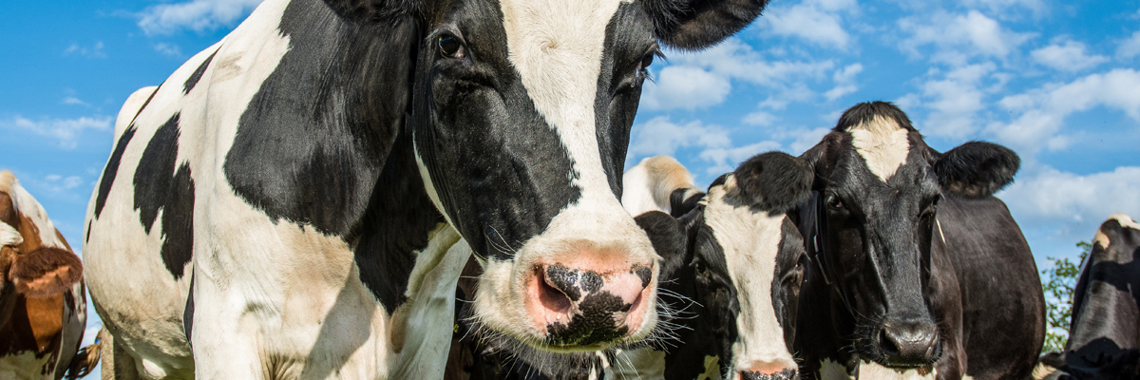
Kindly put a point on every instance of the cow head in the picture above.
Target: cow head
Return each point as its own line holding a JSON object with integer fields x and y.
{"x": 740, "y": 258}
{"x": 1104, "y": 339}
{"x": 35, "y": 261}
{"x": 520, "y": 118}
{"x": 878, "y": 187}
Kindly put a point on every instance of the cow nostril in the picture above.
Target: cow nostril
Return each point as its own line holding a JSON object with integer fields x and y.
{"x": 553, "y": 298}
{"x": 887, "y": 344}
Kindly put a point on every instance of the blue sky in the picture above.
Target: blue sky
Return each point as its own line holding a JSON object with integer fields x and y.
{"x": 1058, "y": 82}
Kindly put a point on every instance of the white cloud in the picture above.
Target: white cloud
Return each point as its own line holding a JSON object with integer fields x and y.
{"x": 704, "y": 79}
{"x": 685, "y": 87}
{"x": 759, "y": 118}
{"x": 955, "y": 36}
{"x": 660, "y": 136}
{"x": 93, "y": 51}
{"x": 844, "y": 82}
{"x": 1038, "y": 7}
{"x": 1130, "y": 47}
{"x": 73, "y": 101}
{"x": 65, "y": 131}
{"x": 724, "y": 160}
{"x": 817, "y": 21}
{"x": 197, "y": 15}
{"x": 1067, "y": 55}
{"x": 169, "y": 50}
{"x": 1053, "y": 195}
{"x": 1043, "y": 110}
{"x": 954, "y": 99}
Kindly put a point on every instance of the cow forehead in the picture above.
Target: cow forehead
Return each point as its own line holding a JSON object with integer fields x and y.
{"x": 1124, "y": 220}
{"x": 882, "y": 143}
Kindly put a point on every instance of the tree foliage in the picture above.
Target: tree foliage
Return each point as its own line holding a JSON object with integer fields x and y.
{"x": 1058, "y": 282}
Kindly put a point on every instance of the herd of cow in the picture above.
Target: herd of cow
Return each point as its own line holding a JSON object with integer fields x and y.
{"x": 417, "y": 189}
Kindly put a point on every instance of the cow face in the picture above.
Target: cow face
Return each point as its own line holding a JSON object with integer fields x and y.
{"x": 1104, "y": 338}
{"x": 743, "y": 265}
{"x": 520, "y": 119}
{"x": 878, "y": 188}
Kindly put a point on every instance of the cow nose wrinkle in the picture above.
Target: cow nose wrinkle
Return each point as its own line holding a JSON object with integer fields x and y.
{"x": 909, "y": 344}
{"x": 787, "y": 374}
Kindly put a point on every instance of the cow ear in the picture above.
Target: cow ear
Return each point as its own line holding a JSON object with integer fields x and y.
{"x": 697, "y": 24}
{"x": 668, "y": 238}
{"x": 45, "y": 272}
{"x": 373, "y": 10}
{"x": 774, "y": 181}
{"x": 976, "y": 169}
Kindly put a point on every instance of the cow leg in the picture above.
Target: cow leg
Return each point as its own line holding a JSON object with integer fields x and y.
{"x": 117, "y": 363}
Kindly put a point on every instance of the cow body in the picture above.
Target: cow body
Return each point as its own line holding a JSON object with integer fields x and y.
{"x": 918, "y": 272}
{"x": 284, "y": 198}
{"x": 1104, "y": 334}
{"x": 43, "y": 310}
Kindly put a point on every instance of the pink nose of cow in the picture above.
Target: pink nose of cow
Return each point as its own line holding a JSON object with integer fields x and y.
{"x": 777, "y": 370}
{"x": 585, "y": 307}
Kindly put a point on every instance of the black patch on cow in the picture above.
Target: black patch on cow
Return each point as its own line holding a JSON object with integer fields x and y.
{"x": 594, "y": 325}
{"x": 628, "y": 46}
{"x": 715, "y": 293}
{"x": 197, "y": 75}
{"x": 313, "y": 140}
{"x": 566, "y": 280}
{"x": 773, "y": 182}
{"x": 680, "y": 205}
{"x": 159, "y": 186}
{"x": 88, "y": 238}
{"x": 868, "y": 111}
{"x": 111, "y": 170}
{"x": 188, "y": 314}
{"x": 499, "y": 169}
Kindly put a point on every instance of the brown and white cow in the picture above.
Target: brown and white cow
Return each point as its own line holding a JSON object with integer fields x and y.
{"x": 42, "y": 308}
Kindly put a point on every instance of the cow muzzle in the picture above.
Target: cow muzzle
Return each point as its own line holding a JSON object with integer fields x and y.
{"x": 582, "y": 304}
{"x": 910, "y": 343}
{"x": 780, "y": 369}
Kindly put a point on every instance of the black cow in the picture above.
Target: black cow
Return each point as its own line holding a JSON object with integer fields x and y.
{"x": 277, "y": 206}
{"x": 734, "y": 262}
{"x": 1104, "y": 335}
{"x": 917, "y": 270}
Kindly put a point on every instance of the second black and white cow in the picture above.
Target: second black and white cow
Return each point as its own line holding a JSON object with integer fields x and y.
{"x": 917, "y": 270}
{"x": 1104, "y": 333}
{"x": 733, "y": 263}
{"x": 265, "y": 211}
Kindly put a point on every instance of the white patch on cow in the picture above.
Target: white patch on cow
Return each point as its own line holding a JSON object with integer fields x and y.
{"x": 131, "y": 108}
{"x": 830, "y": 370}
{"x": 28, "y": 207}
{"x": 649, "y": 185}
{"x": 25, "y": 365}
{"x": 9, "y": 236}
{"x": 883, "y": 145}
{"x": 1044, "y": 371}
{"x": 1124, "y": 220}
{"x": 751, "y": 243}
{"x": 430, "y": 308}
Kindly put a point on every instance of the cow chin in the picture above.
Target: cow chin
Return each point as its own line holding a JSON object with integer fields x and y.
{"x": 566, "y": 295}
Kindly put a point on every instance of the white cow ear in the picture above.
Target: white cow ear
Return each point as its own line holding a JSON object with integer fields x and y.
{"x": 698, "y": 24}
{"x": 976, "y": 169}
{"x": 374, "y": 10}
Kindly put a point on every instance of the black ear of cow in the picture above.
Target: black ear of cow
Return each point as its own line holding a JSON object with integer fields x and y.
{"x": 774, "y": 181}
{"x": 373, "y": 10}
{"x": 668, "y": 238}
{"x": 976, "y": 169}
{"x": 697, "y": 24}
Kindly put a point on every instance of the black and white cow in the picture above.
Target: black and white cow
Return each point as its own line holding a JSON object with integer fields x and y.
{"x": 917, "y": 270}
{"x": 266, "y": 211}
{"x": 1104, "y": 333}
{"x": 733, "y": 262}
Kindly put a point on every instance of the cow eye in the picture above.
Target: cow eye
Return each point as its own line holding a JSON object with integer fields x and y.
{"x": 834, "y": 203}
{"x": 451, "y": 47}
